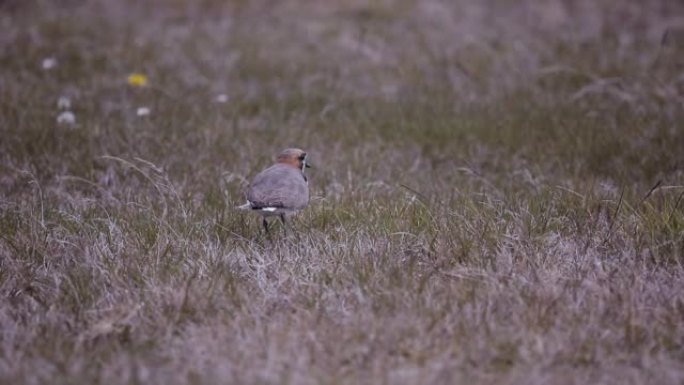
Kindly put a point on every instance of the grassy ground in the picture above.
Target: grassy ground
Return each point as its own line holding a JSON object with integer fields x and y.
{"x": 497, "y": 198}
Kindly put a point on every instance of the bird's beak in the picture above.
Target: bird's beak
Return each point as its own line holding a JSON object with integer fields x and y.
{"x": 307, "y": 165}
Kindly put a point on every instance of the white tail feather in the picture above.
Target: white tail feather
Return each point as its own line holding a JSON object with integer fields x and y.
{"x": 246, "y": 206}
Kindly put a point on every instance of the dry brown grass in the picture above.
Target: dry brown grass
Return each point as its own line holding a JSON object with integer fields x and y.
{"x": 497, "y": 198}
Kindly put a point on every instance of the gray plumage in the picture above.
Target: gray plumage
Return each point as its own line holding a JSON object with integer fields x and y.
{"x": 280, "y": 186}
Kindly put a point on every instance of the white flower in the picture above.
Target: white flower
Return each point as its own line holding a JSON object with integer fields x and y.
{"x": 63, "y": 103}
{"x": 143, "y": 111}
{"x": 66, "y": 117}
{"x": 222, "y": 98}
{"x": 49, "y": 63}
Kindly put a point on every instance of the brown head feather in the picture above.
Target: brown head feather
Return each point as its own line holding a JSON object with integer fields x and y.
{"x": 292, "y": 157}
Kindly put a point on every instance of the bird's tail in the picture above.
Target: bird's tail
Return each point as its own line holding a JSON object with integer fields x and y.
{"x": 246, "y": 206}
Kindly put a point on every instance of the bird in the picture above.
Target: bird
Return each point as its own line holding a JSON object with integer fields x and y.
{"x": 280, "y": 190}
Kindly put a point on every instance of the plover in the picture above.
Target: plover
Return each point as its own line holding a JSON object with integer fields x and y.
{"x": 280, "y": 190}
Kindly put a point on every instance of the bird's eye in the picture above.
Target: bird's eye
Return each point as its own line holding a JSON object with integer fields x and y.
{"x": 302, "y": 157}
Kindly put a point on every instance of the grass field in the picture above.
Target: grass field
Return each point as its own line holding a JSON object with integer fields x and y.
{"x": 497, "y": 195}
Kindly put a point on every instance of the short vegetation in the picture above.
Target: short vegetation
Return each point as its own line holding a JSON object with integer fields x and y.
{"x": 497, "y": 198}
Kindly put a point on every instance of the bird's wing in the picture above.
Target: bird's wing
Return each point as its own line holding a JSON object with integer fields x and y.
{"x": 279, "y": 186}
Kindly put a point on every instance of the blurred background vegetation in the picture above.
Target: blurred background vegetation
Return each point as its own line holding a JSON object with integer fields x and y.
{"x": 497, "y": 194}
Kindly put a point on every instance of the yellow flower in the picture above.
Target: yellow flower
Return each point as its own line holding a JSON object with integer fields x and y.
{"x": 137, "y": 80}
